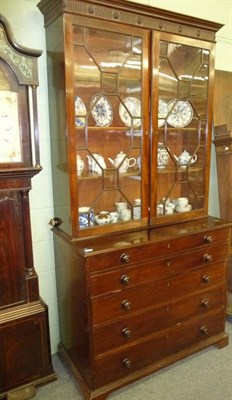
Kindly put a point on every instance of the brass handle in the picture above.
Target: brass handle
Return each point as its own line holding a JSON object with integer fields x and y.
{"x": 207, "y": 257}
{"x": 55, "y": 222}
{"x": 206, "y": 279}
{"x": 126, "y": 304}
{"x": 204, "y": 330}
{"x": 125, "y": 258}
{"x": 126, "y": 332}
{"x": 125, "y": 279}
{"x": 126, "y": 363}
{"x": 205, "y": 303}
{"x": 208, "y": 239}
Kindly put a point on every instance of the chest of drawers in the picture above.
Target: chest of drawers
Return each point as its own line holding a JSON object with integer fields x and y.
{"x": 132, "y": 304}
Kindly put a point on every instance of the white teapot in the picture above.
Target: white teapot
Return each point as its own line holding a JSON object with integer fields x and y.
{"x": 96, "y": 163}
{"x": 80, "y": 165}
{"x": 124, "y": 162}
{"x": 185, "y": 157}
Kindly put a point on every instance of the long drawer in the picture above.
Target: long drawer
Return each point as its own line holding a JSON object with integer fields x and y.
{"x": 125, "y": 361}
{"x": 156, "y": 268}
{"x": 123, "y": 332}
{"x": 124, "y": 303}
{"x": 137, "y": 253}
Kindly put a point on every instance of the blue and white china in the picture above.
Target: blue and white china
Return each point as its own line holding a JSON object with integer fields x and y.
{"x": 96, "y": 163}
{"x": 162, "y": 157}
{"x": 80, "y": 165}
{"x": 86, "y": 217}
{"x": 80, "y": 112}
{"x": 184, "y": 158}
{"x": 133, "y": 117}
{"x": 102, "y": 111}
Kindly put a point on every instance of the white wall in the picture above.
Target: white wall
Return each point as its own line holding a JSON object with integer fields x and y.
{"x": 27, "y": 24}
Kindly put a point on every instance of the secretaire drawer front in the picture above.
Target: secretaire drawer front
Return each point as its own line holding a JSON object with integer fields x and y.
{"x": 124, "y": 277}
{"x": 121, "y": 304}
{"x": 133, "y": 254}
{"x": 125, "y": 361}
{"x": 124, "y": 332}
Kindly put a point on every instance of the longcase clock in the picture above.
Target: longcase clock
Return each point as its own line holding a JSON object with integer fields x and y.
{"x": 25, "y": 360}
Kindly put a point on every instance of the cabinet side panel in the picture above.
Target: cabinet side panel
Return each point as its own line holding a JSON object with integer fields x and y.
{"x": 73, "y": 305}
{"x": 58, "y": 129}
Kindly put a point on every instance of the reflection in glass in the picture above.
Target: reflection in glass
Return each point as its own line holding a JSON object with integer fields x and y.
{"x": 182, "y": 122}
{"x": 108, "y": 120}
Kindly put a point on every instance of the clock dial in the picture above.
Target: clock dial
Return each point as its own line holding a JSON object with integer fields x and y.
{"x": 10, "y": 143}
{"x": 181, "y": 113}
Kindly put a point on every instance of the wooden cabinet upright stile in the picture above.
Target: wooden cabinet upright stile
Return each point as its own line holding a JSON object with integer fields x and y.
{"x": 141, "y": 268}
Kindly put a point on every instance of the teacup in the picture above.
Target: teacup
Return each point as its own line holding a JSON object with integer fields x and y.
{"x": 113, "y": 217}
{"x": 86, "y": 217}
{"x": 182, "y": 202}
{"x": 103, "y": 218}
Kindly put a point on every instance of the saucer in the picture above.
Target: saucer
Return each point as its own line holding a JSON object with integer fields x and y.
{"x": 184, "y": 209}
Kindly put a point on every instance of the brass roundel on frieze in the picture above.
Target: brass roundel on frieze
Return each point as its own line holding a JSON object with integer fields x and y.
{"x": 116, "y": 15}
{"x": 90, "y": 10}
{"x": 179, "y": 28}
{"x": 198, "y": 33}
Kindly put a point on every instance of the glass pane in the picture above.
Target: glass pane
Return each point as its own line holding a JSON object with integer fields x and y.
{"x": 182, "y": 137}
{"x": 108, "y": 123}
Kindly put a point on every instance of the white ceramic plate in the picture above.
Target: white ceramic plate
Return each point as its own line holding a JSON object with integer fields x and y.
{"x": 133, "y": 105}
{"x": 102, "y": 111}
{"x": 80, "y": 112}
{"x": 181, "y": 113}
{"x": 162, "y": 112}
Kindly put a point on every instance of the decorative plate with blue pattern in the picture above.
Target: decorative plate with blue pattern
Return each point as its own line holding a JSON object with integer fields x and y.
{"x": 102, "y": 111}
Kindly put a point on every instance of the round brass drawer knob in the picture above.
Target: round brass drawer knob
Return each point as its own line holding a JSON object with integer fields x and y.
{"x": 204, "y": 330}
{"x": 125, "y": 258}
{"x": 126, "y": 304}
{"x": 127, "y": 363}
{"x": 205, "y": 303}
{"x": 126, "y": 332}
{"x": 125, "y": 279}
{"x": 206, "y": 279}
{"x": 208, "y": 239}
{"x": 207, "y": 257}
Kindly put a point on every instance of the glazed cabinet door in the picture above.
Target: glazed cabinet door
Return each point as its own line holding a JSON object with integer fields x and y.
{"x": 108, "y": 114}
{"x": 182, "y": 132}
